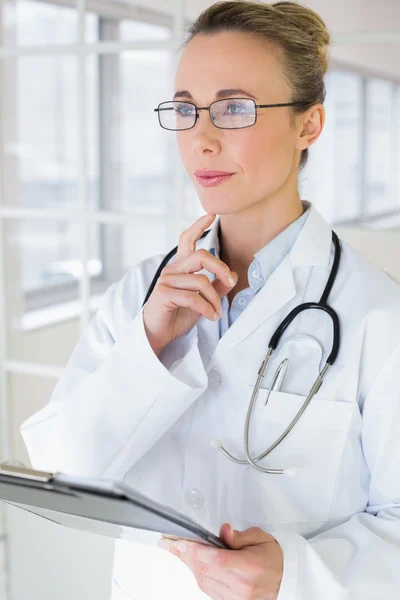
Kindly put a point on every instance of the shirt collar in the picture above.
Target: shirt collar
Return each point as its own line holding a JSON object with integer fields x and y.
{"x": 272, "y": 253}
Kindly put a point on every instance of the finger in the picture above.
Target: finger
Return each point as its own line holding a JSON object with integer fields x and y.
{"x": 205, "y": 558}
{"x": 208, "y": 578}
{"x": 175, "y": 297}
{"x": 202, "y": 259}
{"x": 212, "y": 578}
{"x": 214, "y": 588}
{"x": 225, "y": 561}
{"x": 221, "y": 288}
{"x": 189, "y": 237}
{"x": 197, "y": 283}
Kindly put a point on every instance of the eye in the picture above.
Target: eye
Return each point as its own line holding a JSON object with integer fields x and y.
{"x": 184, "y": 110}
{"x": 236, "y": 108}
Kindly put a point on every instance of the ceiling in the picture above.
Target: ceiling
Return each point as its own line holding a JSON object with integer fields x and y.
{"x": 366, "y": 33}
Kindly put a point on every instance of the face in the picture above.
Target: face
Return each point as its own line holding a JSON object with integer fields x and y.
{"x": 264, "y": 157}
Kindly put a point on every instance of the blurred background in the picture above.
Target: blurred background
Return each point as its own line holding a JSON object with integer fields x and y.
{"x": 90, "y": 184}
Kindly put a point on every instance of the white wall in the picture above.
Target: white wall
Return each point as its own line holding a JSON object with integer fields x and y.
{"x": 3, "y": 556}
{"x": 380, "y": 247}
{"x": 50, "y": 562}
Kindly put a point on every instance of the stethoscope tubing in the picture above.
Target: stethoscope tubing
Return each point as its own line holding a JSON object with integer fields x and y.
{"x": 274, "y": 341}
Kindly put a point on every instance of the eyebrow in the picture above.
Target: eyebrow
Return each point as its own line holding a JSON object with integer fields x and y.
{"x": 225, "y": 93}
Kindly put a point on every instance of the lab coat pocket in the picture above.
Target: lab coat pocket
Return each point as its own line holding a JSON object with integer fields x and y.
{"x": 313, "y": 449}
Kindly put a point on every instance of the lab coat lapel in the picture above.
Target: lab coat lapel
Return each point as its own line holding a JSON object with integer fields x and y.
{"x": 276, "y": 292}
{"x": 312, "y": 247}
{"x": 208, "y": 331}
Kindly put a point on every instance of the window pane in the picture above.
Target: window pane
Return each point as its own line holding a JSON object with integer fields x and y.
{"x": 345, "y": 91}
{"x": 331, "y": 179}
{"x": 43, "y": 270}
{"x": 380, "y": 168}
{"x": 42, "y": 135}
{"x": 147, "y": 150}
{"x": 138, "y": 30}
{"x": 37, "y": 255}
{"x": 397, "y": 146}
{"x": 124, "y": 246}
{"x": 49, "y": 254}
{"x": 32, "y": 23}
{"x": 142, "y": 241}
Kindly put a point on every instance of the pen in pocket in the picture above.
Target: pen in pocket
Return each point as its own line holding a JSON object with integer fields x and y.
{"x": 279, "y": 376}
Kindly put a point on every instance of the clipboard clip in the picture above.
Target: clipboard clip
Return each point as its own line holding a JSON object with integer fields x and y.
{"x": 25, "y": 473}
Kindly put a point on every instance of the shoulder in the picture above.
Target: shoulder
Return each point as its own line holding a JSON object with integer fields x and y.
{"x": 370, "y": 300}
{"x": 374, "y": 287}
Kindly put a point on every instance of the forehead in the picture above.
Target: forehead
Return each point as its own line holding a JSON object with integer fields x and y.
{"x": 229, "y": 60}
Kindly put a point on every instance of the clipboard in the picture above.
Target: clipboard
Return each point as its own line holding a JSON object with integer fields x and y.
{"x": 102, "y": 506}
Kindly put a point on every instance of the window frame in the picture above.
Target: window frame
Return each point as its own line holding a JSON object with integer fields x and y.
{"x": 368, "y": 74}
{"x": 109, "y": 18}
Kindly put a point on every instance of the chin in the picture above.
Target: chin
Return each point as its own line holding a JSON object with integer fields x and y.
{"x": 221, "y": 205}
{"x": 218, "y": 206}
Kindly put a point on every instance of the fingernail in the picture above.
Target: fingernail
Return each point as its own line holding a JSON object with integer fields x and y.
{"x": 163, "y": 544}
{"x": 215, "y": 317}
{"x": 231, "y": 280}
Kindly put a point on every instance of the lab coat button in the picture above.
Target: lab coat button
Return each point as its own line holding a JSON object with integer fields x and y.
{"x": 196, "y": 498}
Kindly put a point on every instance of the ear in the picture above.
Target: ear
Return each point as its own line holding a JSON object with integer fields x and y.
{"x": 310, "y": 126}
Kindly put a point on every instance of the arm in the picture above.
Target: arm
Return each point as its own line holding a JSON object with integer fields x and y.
{"x": 115, "y": 398}
{"x": 359, "y": 559}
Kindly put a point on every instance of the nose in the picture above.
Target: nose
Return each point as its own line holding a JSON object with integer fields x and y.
{"x": 206, "y": 137}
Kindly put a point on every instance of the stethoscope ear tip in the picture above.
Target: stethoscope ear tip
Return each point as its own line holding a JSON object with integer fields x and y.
{"x": 289, "y": 472}
{"x": 216, "y": 443}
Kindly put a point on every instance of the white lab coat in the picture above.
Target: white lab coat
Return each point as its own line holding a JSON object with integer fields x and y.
{"x": 121, "y": 412}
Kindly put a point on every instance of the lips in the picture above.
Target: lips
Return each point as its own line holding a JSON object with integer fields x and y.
{"x": 209, "y": 181}
{"x": 211, "y": 173}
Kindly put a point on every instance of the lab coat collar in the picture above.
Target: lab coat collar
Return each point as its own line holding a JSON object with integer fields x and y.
{"x": 312, "y": 247}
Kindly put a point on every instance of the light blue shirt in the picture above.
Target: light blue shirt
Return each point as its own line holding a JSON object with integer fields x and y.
{"x": 264, "y": 264}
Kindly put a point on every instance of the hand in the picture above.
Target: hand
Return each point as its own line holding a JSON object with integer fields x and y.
{"x": 180, "y": 296}
{"x": 252, "y": 570}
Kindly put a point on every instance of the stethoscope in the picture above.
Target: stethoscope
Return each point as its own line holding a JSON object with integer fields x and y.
{"x": 321, "y": 305}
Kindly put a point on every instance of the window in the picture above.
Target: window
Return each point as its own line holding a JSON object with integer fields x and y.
{"x": 381, "y": 147}
{"x": 353, "y": 174}
{"x": 132, "y": 168}
{"x": 129, "y": 160}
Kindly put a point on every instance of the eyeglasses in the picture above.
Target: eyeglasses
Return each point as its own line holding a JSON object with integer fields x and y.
{"x": 231, "y": 113}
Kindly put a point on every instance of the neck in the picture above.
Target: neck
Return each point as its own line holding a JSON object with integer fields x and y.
{"x": 243, "y": 233}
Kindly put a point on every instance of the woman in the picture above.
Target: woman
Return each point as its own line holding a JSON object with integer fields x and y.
{"x": 147, "y": 391}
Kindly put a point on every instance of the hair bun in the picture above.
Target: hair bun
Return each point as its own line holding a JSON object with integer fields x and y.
{"x": 309, "y": 22}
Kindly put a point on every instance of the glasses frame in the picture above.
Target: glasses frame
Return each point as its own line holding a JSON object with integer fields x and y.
{"x": 197, "y": 108}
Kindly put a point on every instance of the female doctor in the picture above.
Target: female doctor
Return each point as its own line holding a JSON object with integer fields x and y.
{"x": 158, "y": 395}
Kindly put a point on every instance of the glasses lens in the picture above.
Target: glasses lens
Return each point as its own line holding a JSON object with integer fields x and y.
{"x": 177, "y": 115}
{"x": 233, "y": 113}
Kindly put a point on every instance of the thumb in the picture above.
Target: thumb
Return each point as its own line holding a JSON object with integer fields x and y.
{"x": 236, "y": 539}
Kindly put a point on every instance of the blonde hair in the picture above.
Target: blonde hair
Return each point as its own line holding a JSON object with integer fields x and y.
{"x": 298, "y": 32}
